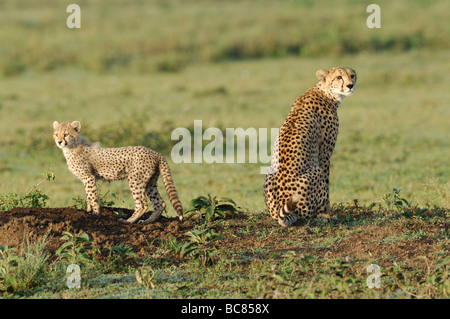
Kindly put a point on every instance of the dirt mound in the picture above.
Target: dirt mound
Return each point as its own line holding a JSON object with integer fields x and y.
{"x": 403, "y": 239}
{"x": 104, "y": 230}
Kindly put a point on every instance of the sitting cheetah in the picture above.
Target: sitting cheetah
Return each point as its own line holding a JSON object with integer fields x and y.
{"x": 296, "y": 183}
{"x": 139, "y": 164}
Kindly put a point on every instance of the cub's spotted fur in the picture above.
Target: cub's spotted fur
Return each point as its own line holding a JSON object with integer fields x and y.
{"x": 297, "y": 182}
{"x": 142, "y": 166}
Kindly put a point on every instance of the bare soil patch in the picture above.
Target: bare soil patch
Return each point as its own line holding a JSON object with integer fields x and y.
{"x": 385, "y": 243}
{"x": 104, "y": 230}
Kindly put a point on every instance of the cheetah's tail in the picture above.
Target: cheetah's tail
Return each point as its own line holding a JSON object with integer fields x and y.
{"x": 170, "y": 187}
{"x": 286, "y": 216}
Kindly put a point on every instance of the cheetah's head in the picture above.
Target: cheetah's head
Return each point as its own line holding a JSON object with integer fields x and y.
{"x": 66, "y": 134}
{"x": 337, "y": 82}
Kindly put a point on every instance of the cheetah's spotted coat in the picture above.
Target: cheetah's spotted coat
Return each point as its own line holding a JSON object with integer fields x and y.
{"x": 297, "y": 182}
{"x": 142, "y": 166}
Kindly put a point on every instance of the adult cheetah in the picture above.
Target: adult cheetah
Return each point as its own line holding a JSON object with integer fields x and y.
{"x": 296, "y": 185}
{"x": 142, "y": 166}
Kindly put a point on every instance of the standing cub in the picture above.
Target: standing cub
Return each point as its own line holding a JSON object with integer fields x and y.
{"x": 139, "y": 164}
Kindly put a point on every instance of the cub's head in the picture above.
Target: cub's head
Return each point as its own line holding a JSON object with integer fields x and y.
{"x": 66, "y": 134}
{"x": 337, "y": 82}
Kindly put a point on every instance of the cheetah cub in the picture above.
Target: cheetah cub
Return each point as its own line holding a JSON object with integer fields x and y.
{"x": 296, "y": 185}
{"x": 139, "y": 164}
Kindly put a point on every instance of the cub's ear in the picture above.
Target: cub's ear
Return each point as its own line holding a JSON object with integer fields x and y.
{"x": 321, "y": 74}
{"x": 55, "y": 125}
{"x": 76, "y": 126}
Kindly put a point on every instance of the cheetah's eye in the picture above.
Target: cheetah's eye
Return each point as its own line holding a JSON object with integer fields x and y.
{"x": 339, "y": 77}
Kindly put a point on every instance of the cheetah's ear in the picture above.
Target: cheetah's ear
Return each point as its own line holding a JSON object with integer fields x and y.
{"x": 321, "y": 74}
{"x": 76, "y": 126}
{"x": 55, "y": 125}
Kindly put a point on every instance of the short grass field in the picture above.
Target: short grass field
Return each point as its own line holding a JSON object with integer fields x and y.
{"x": 136, "y": 71}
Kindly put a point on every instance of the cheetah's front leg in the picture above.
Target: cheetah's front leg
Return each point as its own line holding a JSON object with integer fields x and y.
{"x": 323, "y": 196}
{"x": 92, "y": 202}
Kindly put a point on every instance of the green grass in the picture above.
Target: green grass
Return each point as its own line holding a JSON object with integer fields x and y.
{"x": 168, "y": 36}
{"x": 314, "y": 262}
{"x": 392, "y": 133}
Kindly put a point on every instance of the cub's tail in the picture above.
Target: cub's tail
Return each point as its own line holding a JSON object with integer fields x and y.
{"x": 286, "y": 216}
{"x": 170, "y": 187}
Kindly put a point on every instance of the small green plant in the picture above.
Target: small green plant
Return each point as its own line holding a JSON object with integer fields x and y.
{"x": 80, "y": 202}
{"x": 120, "y": 255}
{"x": 76, "y": 248}
{"x": 210, "y": 207}
{"x": 394, "y": 201}
{"x": 201, "y": 246}
{"x": 20, "y": 272}
{"x": 440, "y": 280}
{"x": 8, "y": 260}
{"x": 31, "y": 266}
{"x": 172, "y": 245}
{"x": 9, "y": 201}
{"x": 34, "y": 198}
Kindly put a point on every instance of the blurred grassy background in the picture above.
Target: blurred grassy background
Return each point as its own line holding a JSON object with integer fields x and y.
{"x": 138, "y": 69}
{"x": 145, "y": 36}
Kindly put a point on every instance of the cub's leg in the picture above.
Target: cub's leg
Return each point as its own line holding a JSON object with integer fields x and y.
{"x": 158, "y": 203}
{"x": 137, "y": 188}
{"x": 92, "y": 202}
